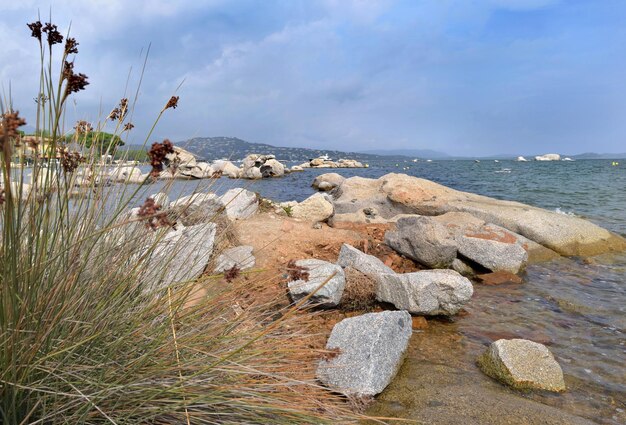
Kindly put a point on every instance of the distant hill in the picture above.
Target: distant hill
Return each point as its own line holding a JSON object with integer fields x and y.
{"x": 210, "y": 148}
{"x": 593, "y": 155}
{"x": 414, "y": 153}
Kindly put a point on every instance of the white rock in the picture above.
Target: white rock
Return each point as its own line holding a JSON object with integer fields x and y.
{"x": 240, "y": 256}
{"x": 240, "y": 203}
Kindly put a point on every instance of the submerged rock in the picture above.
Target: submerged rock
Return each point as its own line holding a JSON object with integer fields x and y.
{"x": 368, "y": 352}
{"x": 523, "y": 365}
{"x": 240, "y": 256}
{"x": 319, "y": 272}
{"x": 428, "y": 292}
{"x": 240, "y": 203}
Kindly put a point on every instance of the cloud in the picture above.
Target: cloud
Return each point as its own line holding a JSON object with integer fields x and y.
{"x": 462, "y": 76}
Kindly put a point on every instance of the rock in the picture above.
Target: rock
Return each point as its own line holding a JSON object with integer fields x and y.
{"x": 396, "y": 194}
{"x": 197, "y": 208}
{"x": 428, "y": 292}
{"x": 364, "y": 263}
{"x": 130, "y": 175}
{"x": 493, "y": 255}
{"x": 523, "y": 365}
{"x": 201, "y": 170}
{"x": 227, "y": 169}
{"x": 498, "y": 278}
{"x": 160, "y": 199}
{"x": 548, "y": 157}
{"x": 424, "y": 240}
{"x": 272, "y": 168}
{"x": 180, "y": 158}
{"x": 319, "y": 271}
{"x": 462, "y": 268}
{"x": 296, "y": 168}
{"x": 368, "y": 352}
{"x": 260, "y": 166}
{"x": 328, "y": 181}
{"x": 316, "y": 162}
{"x": 180, "y": 256}
{"x": 314, "y": 208}
{"x": 240, "y": 203}
{"x": 240, "y": 256}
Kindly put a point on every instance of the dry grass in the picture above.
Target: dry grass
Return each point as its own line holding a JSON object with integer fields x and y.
{"x": 359, "y": 293}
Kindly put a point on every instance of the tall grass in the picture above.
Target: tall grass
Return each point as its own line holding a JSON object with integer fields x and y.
{"x": 92, "y": 327}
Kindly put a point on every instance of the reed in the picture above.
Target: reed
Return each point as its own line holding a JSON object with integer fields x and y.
{"x": 90, "y": 329}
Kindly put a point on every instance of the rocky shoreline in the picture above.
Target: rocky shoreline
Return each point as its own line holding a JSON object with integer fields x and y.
{"x": 450, "y": 239}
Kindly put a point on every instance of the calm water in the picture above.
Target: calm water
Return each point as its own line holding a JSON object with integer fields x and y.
{"x": 576, "y": 307}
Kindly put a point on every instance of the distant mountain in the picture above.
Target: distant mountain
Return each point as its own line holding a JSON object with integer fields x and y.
{"x": 593, "y": 155}
{"x": 414, "y": 153}
{"x": 210, "y": 148}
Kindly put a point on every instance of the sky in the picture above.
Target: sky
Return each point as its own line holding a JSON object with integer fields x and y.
{"x": 465, "y": 77}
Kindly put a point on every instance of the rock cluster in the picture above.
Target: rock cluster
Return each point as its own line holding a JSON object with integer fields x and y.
{"x": 540, "y": 232}
{"x": 261, "y": 166}
{"x": 323, "y": 162}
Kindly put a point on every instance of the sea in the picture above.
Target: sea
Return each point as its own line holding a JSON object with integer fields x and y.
{"x": 575, "y": 306}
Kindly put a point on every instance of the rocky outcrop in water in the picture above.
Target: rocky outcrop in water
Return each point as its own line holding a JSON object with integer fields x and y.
{"x": 393, "y": 196}
{"x": 261, "y": 166}
{"x": 523, "y": 365}
{"x": 328, "y": 181}
{"x": 323, "y": 162}
{"x": 548, "y": 157}
{"x": 365, "y": 352}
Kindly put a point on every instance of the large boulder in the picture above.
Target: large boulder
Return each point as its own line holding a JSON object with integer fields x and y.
{"x": 328, "y": 181}
{"x": 369, "y": 265}
{"x": 272, "y": 168}
{"x": 240, "y": 203}
{"x": 548, "y": 157}
{"x": 424, "y": 240}
{"x": 197, "y": 208}
{"x": 180, "y": 256}
{"x": 180, "y": 158}
{"x": 261, "y": 166}
{"x": 522, "y": 364}
{"x": 319, "y": 273}
{"x": 395, "y": 194}
{"x": 227, "y": 168}
{"x": 126, "y": 175}
{"x": 314, "y": 208}
{"x": 201, "y": 170}
{"x": 428, "y": 292}
{"x": 239, "y": 256}
{"x": 368, "y": 351}
{"x": 493, "y": 255}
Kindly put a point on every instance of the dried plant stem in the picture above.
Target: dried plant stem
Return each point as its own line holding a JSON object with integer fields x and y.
{"x": 180, "y": 372}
